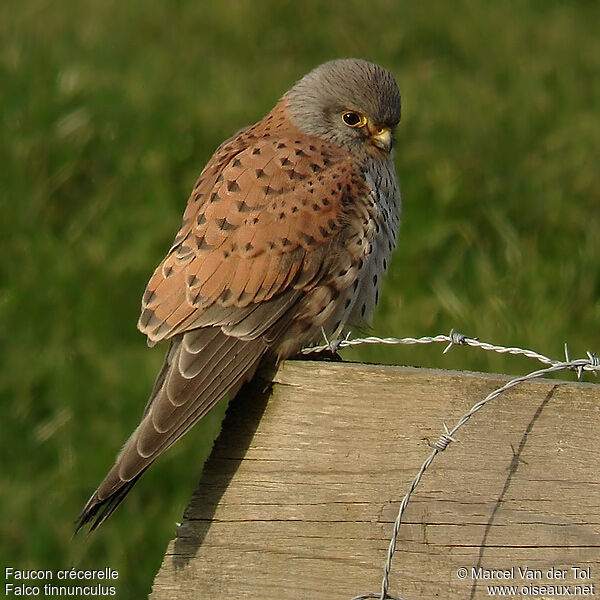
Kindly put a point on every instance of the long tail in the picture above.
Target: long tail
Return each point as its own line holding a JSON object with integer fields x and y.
{"x": 201, "y": 366}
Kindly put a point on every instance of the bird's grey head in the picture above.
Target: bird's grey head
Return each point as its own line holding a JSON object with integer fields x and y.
{"x": 350, "y": 102}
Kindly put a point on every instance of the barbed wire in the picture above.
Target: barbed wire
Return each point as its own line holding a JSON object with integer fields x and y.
{"x": 581, "y": 365}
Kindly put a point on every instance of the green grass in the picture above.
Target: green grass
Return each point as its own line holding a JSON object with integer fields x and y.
{"x": 109, "y": 111}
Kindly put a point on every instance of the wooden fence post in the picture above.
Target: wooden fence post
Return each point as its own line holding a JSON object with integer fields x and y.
{"x": 304, "y": 483}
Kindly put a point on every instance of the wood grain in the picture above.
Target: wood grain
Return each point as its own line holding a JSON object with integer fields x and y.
{"x": 303, "y": 485}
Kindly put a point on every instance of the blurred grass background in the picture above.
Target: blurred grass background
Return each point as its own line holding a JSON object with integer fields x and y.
{"x": 109, "y": 111}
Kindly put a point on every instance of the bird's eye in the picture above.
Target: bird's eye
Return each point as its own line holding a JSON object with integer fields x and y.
{"x": 354, "y": 119}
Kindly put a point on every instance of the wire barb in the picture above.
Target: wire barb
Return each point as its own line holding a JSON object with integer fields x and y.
{"x": 456, "y": 339}
{"x": 444, "y": 440}
{"x": 594, "y": 362}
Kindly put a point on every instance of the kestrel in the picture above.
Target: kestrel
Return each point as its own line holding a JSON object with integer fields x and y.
{"x": 286, "y": 236}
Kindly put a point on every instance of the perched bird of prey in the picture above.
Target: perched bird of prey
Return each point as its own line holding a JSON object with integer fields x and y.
{"x": 286, "y": 236}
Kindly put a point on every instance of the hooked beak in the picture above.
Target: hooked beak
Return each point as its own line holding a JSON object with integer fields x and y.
{"x": 381, "y": 137}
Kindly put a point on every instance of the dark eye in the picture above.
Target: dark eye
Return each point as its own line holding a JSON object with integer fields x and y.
{"x": 353, "y": 119}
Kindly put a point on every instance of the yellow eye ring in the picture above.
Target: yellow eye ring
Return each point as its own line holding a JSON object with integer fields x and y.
{"x": 354, "y": 119}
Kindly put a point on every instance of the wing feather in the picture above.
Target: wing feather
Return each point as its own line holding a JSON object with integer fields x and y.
{"x": 263, "y": 225}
